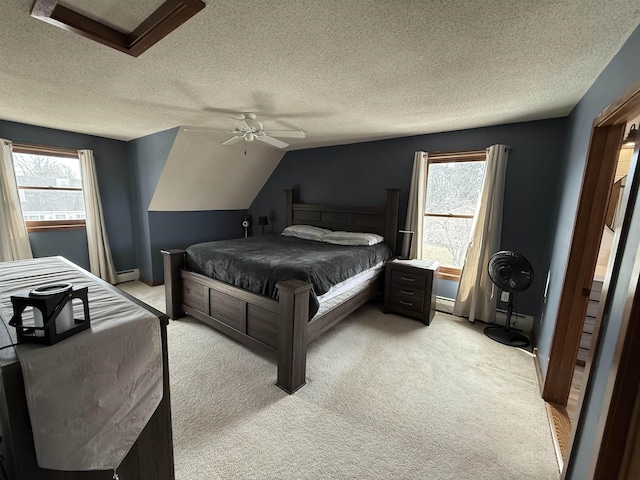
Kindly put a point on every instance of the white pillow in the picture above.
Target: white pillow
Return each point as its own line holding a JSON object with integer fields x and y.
{"x": 306, "y": 232}
{"x": 353, "y": 238}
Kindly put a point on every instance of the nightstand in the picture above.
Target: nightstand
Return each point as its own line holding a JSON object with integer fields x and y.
{"x": 409, "y": 288}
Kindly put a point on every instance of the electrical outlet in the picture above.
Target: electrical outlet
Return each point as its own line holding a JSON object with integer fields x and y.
{"x": 504, "y": 297}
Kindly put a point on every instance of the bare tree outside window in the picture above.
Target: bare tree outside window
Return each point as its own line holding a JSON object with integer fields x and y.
{"x": 50, "y": 188}
{"x": 453, "y": 190}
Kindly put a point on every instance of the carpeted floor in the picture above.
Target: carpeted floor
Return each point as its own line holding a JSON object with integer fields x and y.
{"x": 386, "y": 398}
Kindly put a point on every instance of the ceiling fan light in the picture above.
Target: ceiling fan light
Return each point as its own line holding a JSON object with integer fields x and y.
{"x": 632, "y": 137}
{"x": 249, "y": 137}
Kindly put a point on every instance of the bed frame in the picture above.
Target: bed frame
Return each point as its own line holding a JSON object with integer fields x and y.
{"x": 278, "y": 328}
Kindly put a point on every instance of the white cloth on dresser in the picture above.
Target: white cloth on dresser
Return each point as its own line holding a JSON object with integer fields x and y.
{"x": 91, "y": 395}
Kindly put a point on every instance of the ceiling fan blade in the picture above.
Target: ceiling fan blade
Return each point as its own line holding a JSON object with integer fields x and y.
{"x": 239, "y": 123}
{"x": 233, "y": 140}
{"x": 253, "y": 123}
{"x": 203, "y": 130}
{"x": 286, "y": 133}
{"x": 272, "y": 141}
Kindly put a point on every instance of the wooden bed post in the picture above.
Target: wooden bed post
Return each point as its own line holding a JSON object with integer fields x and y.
{"x": 173, "y": 261}
{"x": 292, "y": 334}
{"x": 291, "y": 199}
{"x": 391, "y": 226}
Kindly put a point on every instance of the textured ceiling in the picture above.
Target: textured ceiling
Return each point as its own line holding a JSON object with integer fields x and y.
{"x": 343, "y": 71}
{"x": 123, "y": 15}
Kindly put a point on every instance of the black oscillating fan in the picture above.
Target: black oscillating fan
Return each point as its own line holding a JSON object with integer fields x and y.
{"x": 512, "y": 273}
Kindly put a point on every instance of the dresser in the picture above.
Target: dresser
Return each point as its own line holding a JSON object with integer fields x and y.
{"x": 409, "y": 288}
{"x": 150, "y": 457}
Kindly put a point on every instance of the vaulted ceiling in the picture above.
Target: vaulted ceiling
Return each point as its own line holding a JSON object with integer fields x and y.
{"x": 217, "y": 177}
{"x": 342, "y": 71}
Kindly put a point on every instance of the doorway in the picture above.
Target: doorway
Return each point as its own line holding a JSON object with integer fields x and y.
{"x": 607, "y": 135}
{"x": 606, "y": 139}
{"x": 613, "y": 221}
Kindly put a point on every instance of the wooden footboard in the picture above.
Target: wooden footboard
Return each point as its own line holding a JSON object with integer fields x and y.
{"x": 277, "y": 328}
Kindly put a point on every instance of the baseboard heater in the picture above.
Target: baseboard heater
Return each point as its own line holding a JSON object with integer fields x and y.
{"x": 128, "y": 275}
{"x": 520, "y": 321}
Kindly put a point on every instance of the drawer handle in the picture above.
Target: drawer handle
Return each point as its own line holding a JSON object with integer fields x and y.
{"x": 408, "y": 304}
{"x": 407, "y": 279}
{"x": 406, "y": 292}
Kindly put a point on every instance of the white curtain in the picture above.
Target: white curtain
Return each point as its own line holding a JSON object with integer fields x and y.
{"x": 100, "y": 259}
{"x": 14, "y": 239}
{"x": 475, "y": 290}
{"x": 416, "y": 206}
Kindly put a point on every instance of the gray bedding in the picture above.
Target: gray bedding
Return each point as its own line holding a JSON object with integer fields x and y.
{"x": 258, "y": 263}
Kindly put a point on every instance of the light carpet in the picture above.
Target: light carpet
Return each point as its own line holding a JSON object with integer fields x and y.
{"x": 386, "y": 397}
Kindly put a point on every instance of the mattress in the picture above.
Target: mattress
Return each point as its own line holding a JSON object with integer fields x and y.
{"x": 258, "y": 264}
{"x": 349, "y": 288}
{"x": 352, "y": 282}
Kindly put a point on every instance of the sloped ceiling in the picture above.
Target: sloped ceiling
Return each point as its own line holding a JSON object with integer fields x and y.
{"x": 343, "y": 71}
{"x": 202, "y": 174}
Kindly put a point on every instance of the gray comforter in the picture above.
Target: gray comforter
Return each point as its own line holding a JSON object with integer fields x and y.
{"x": 258, "y": 263}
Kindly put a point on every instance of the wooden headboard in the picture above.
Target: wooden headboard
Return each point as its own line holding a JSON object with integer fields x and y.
{"x": 381, "y": 220}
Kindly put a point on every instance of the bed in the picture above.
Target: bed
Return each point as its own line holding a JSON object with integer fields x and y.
{"x": 280, "y": 327}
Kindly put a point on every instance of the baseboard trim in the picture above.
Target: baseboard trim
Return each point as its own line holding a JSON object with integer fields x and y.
{"x": 536, "y": 361}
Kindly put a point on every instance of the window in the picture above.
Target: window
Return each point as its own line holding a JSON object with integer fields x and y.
{"x": 454, "y": 182}
{"x": 49, "y": 186}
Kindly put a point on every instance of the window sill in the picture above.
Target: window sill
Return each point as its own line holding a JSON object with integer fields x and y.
{"x": 449, "y": 276}
{"x": 450, "y": 273}
{"x": 52, "y": 226}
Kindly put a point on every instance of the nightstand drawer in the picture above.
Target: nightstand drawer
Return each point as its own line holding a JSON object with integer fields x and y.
{"x": 407, "y": 294}
{"x": 406, "y": 302}
{"x": 408, "y": 279}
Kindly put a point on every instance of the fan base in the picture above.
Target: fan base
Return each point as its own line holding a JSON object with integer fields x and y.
{"x": 507, "y": 337}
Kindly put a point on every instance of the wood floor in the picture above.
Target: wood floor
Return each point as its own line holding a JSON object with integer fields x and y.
{"x": 559, "y": 420}
{"x": 563, "y": 419}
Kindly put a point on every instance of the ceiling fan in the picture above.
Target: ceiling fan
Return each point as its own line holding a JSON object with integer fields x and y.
{"x": 249, "y": 129}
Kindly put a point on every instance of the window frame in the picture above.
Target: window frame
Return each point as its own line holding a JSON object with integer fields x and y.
{"x": 43, "y": 150}
{"x": 452, "y": 273}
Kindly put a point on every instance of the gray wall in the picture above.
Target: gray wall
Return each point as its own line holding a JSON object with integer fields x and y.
{"x": 181, "y": 229}
{"x": 358, "y": 174}
{"x": 148, "y": 156}
{"x": 621, "y": 72}
{"x": 71, "y": 244}
{"x": 113, "y": 180}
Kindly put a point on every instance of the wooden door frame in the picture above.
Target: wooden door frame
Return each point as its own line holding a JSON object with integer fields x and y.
{"x": 623, "y": 388}
{"x": 606, "y": 138}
